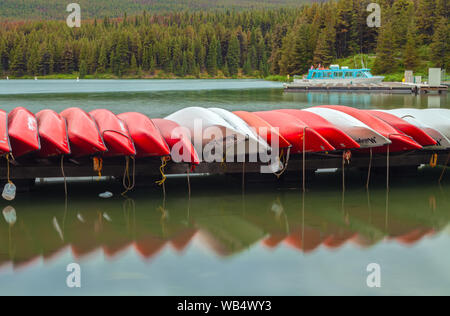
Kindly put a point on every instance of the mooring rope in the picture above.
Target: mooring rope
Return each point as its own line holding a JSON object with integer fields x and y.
{"x": 433, "y": 160}
{"x": 189, "y": 181}
{"x": 98, "y": 165}
{"x": 285, "y": 165}
{"x": 64, "y": 175}
{"x": 387, "y": 168}
{"x": 445, "y": 167}
{"x": 162, "y": 182}
{"x": 368, "y": 172}
{"x": 7, "y": 167}
{"x": 127, "y": 182}
{"x": 243, "y": 176}
{"x": 303, "y": 160}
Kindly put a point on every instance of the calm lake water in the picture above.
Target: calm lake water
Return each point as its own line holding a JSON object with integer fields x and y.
{"x": 269, "y": 240}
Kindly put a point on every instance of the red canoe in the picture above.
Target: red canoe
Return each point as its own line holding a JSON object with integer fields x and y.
{"x": 146, "y": 136}
{"x": 53, "y": 134}
{"x": 337, "y": 138}
{"x": 179, "y": 143}
{"x": 5, "y": 147}
{"x": 294, "y": 130}
{"x": 114, "y": 132}
{"x": 400, "y": 142}
{"x": 400, "y": 124}
{"x": 23, "y": 132}
{"x": 84, "y": 136}
{"x": 264, "y": 130}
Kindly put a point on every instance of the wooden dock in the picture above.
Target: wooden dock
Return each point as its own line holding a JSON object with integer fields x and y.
{"x": 147, "y": 169}
{"x": 383, "y": 87}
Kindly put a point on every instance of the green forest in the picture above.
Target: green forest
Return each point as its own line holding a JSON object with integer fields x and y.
{"x": 414, "y": 34}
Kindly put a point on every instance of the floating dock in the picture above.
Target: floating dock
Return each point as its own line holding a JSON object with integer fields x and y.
{"x": 148, "y": 169}
{"x": 382, "y": 87}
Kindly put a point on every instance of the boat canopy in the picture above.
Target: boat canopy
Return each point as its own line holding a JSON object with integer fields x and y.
{"x": 336, "y": 73}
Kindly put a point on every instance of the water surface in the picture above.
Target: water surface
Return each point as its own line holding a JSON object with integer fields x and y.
{"x": 268, "y": 240}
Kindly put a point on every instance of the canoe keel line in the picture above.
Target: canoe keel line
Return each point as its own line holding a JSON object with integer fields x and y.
{"x": 197, "y": 140}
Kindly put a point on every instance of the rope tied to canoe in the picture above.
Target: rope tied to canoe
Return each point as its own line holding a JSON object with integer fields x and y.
{"x": 285, "y": 163}
{"x": 164, "y": 161}
{"x": 127, "y": 181}
{"x": 433, "y": 160}
{"x": 445, "y": 167}
{"x": 368, "y": 171}
{"x": 64, "y": 175}
{"x": 8, "y": 155}
{"x": 98, "y": 165}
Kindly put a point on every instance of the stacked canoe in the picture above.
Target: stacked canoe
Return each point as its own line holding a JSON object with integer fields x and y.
{"x": 327, "y": 128}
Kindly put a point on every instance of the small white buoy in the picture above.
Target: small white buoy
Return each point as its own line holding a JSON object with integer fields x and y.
{"x": 9, "y": 213}
{"x": 35, "y": 78}
{"x": 78, "y": 79}
{"x": 7, "y": 78}
{"x": 9, "y": 191}
{"x": 105, "y": 195}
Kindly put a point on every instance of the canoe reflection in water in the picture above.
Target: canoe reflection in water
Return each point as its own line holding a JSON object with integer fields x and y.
{"x": 226, "y": 224}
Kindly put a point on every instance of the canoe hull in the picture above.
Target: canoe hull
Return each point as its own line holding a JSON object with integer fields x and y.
{"x": 336, "y": 137}
{"x": 181, "y": 148}
{"x": 53, "y": 134}
{"x": 296, "y": 132}
{"x": 400, "y": 141}
{"x": 409, "y": 129}
{"x": 362, "y": 134}
{"x": 84, "y": 136}
{"x": 23, "y": 132}
{"x": 115, "y": 133}
{"x": 146, "y": 136}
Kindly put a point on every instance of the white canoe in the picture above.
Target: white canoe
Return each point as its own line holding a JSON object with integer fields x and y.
{"x": 208, "y": 131}
{"x": 433, "y": 122}
{"x": 365, "y": 136}
{"x": 256, "y": 143}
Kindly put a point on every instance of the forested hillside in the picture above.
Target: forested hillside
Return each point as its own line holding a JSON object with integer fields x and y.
{"x": 413, "y": 35}
{"x": 56, "y": 9}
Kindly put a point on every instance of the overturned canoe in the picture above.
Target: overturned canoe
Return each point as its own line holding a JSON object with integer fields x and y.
{"x": 209, "y": 133}
{"x": 5, "y": 146}
{"x": 365, "y": 136}
{"x": 264, "y": 130}
{"x": 255, "y": 143}
{"x": 178, "y": 140}
{"x": 405, "y": 127}
{"x": 23, "y": 132}
{"x": 296, "y": 132}
{"x": 84, "y": 136}
{"x": 336, "y": 137}
{"x": 441, "y": 123}
{"x": 114, "y": 132}
{"x": 53, "y": 134}
{"x": 400, "y": 141}
{"x": 146, "y": 136}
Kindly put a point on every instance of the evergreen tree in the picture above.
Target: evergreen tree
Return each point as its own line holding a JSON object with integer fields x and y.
{"x": 385, "y": 61}
{"x": 233, "y": 56}
{"x": 410, "y": 51}
{"x": 102, "y": 60}
{"x": 211, "y": 58}
{"x": 83, "y": 69}
{"x": 440, "y": 50}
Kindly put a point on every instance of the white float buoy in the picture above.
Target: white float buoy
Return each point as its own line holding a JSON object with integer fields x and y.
{"x": 35, "y": 78}
{"x": 78, "y": 79}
